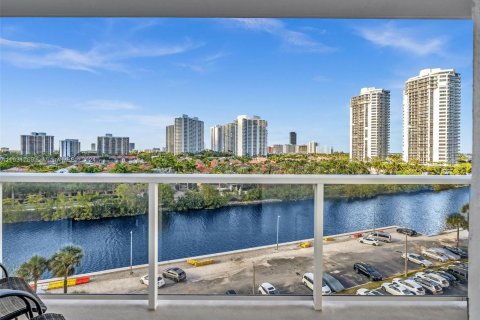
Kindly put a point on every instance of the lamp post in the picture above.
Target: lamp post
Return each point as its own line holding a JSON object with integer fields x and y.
{"x": 131, "y": 252}
{"x": 278, "y": 225}
{"x": 253, "y": 268}
{"x": 406, "y": 258}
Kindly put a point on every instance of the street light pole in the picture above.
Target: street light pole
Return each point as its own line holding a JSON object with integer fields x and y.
{"x": 278, "y": 225}
{"x": 374, "y": 216}
{"x": 406, "y": 258}
{"x": 253, "y": 288}
{"x": 131, "y": 252}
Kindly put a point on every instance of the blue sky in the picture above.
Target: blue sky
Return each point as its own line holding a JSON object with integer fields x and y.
{"x": 83, "y": 77}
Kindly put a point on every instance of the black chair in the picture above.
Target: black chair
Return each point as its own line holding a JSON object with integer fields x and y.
{"x": 10, "y": 299}
{"x": 16, "y": 283}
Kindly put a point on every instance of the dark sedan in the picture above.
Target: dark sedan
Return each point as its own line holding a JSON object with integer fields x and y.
{"x": 367, "y": 270}
{"x": 407, "y": 231}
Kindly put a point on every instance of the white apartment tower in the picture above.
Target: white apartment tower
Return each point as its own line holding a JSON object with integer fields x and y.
{"x": 113, "y": 146}
{"x": 36, "y": 143}
{"x": 229, "y": 139}
{"x": 251, "y": 136}
{"x": 216, "y": 138}
{"x": 370, "y": 124}
{"x": 431, "y": 116}
{"x": 69, "y": 148}
{"x": 188, "y": 135}
{"x": 170, "y": 139}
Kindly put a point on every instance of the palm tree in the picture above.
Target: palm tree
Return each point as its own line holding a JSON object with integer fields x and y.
{"x": 64, "y": 262}
{"x": 33, "y": 269}
{"x": 457, "y": 221}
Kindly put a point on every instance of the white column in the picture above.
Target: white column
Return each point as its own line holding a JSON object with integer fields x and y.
{"x": 474, "y": 218}
{"x": 152, "y": 245}
{"x": 318, "y": 248}
{"x": 1, "y": 222}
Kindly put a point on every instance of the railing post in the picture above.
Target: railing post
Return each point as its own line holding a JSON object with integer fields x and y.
{"x": 318, "y": 247}
{"x": 152, "y": 245}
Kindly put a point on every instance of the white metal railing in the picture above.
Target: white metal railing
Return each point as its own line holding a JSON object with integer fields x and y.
{"x": 317, "y": 181}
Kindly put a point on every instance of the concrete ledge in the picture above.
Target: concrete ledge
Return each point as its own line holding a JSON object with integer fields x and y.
{"x": 241, "y": 310}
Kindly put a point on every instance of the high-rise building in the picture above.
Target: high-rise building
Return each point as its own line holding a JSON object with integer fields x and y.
{"x": 216, "y": 138}
{"x": 293, "y": 138}
{"x": 186, "y": 135}
{"x": 301, "y": 148}
{"x": 251, "y": 136}
{"x": 431, "y": 116}
{"x": 288, "y": 148}
{"x": 113, "y": 146}
{"x": 93, "y": 147}
{"x": 370, "y": 124}
{"x": 131, "y": 146}
{"x": 170, "y": 138}
{"x": 36, "y": 143}
{"x": 229, "y": 140}
{"x": 312, "y": 147}
{"x": 69, "y": 148}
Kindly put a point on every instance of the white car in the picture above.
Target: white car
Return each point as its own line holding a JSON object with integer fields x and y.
{"x": 396, "y": 290}
{"x": 418, "y": 259}
{"x": 266, "y": 289}
{"x": 410, "y": 285}
{"x": 369, "y": 240}
{"x": 307, "y": 280}
{"x": 449, "y": 254}
{"x": 367, "y": 292}
{"x": 428, "y": 285}
{"x": 441, "y": 281}
{"x": 435, "y": 255}
{"x": 160, "y": 282}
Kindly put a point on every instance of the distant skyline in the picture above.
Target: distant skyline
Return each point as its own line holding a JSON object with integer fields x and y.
{"x": 79, "y": 78}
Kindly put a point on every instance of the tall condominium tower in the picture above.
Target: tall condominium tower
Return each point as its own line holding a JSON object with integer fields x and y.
{"x": 170, "y": 139}
{"x": 36, "y": 143}
{"x": 312, "y": 147}
{"x": 251, "y": 136}
{"x": 370, "y": 124}
{"x": 293, "y": 138}
{"x": 229, "y": 140}
{"x": 216, "y": 138}
{"x": 69, "y": 148}
{"x": 188, "y": 135}
{"x": 431, "y": 116}
{"x": 113, "y": 146}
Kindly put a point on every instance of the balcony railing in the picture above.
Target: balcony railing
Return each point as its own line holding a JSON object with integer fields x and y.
{"x": 317, "y": 181}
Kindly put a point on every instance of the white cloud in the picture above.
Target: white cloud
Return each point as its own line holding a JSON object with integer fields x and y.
{"x": 155, "y": 120}
{"x": 406, "y": 39}
{"x": 105, "y": 56}
{"x": 108, "y": 105}
{"x": 292, "y": 39}
{"x": 204, "y": 64}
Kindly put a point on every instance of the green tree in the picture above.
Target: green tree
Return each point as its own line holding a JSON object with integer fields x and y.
{"x": 64, "y": 262}
{"x": 33, "y": 269}
{"x": 456, "y": 221}
{"x": 166, "y": 194}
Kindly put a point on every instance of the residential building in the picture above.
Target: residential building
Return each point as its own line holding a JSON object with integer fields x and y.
{"x": 69, "y": 148}
{"x": 131, "y": 146}
{"x": 36, "y": 143}
{"x": 431, "y": 116}
{"x": 229, "y": 139}
{"x": 276, "y": 149}
{"x": 216, "y": 138}
{"x": 301, "y": 148}
{"x": 251, "y": 136}
{"x": 113, "y": 146}
{"x": 288, "y": 148}
{"x": 93, "y": 147}
{"x": 312, "y": 147}
{"x": 293, "y": 138}
{"x": 186, "y": 135}
{"x": 4, "y": 149}
{"x": 370, "y": 124}
{"x": 170, "y": 139}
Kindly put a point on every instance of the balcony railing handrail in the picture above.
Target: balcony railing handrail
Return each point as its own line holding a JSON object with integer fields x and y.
{"x": 232, "y": 178}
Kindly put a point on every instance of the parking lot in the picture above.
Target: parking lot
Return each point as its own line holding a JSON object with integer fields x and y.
{"x": 283, "y": 268}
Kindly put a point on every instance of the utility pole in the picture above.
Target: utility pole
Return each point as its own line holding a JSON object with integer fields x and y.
{"x": 253, "y": 288}
{"x": 278, "y": 225}
{"x": 131, "y": 252}
{"x": 406, "y": 258}
{"x": 374, "y": 216}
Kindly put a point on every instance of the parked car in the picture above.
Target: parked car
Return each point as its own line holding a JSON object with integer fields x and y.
{"x": 176, "y": 274}
{"x": 266, "y": 289}
{"x": 410, "y": 285}
{"x": 332, "y": 282}
{"x": 381, "y": 236}
{"x": 450, "y": 255}
{"x": 462, "y": 253}
{"x": 428, "y": 285}
{"x": 418, "y": 259}
{"x": 368, "y": 270}
{"x": 463, "y": 265}
{"x": 441, "y": 281}
{"x": 307, "y": 280}
{"x": 459, "y": 273}
{"x": 160, "y": 281}
{"x": 231, "y": 292}
{"x": 367, "y": 292}
{"x": 396, "y": 290}
{"x": 450, "y": 278}
{"x": 435, "y": 255}
{"x": 407, "y": 231}
{"x": 369, "y": 240}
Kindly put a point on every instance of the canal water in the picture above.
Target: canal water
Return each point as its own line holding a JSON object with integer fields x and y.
{"x": 106, "y": 242}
